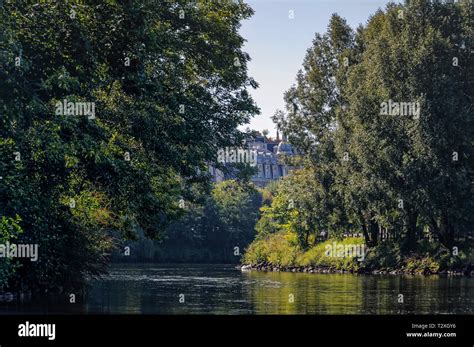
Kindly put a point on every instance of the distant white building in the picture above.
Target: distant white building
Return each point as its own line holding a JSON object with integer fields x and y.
{"x": 269, "y": 160}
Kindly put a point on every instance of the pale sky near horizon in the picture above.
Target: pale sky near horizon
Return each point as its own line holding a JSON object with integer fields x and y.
{"x": 277, "y": 44}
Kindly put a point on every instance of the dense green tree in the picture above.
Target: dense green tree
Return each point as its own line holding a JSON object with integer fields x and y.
{"x": 402, "y": 167}
{"x": 209, "y": 231}
{"x": 405, "y": 174}
{"x": 304, "y": 204}
{"x": 169, "y": 86}
{"x": 313, "y": 105}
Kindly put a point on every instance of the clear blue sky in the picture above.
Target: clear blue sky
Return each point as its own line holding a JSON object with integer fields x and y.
{"x": 278, "y": 44}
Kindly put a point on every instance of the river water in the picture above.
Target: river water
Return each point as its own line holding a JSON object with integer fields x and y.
{"x": 223, "y": 289}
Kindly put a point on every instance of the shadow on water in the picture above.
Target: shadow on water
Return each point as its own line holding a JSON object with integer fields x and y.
{"x": 221, "y": 289}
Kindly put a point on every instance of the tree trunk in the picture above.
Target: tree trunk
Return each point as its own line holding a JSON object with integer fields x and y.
{"x": 306, "y": 238}
{"x": 364, "y": 230}
{"x": 374, "y": 232}
{"x": 446, "y": 230}
{"x": 411, "y": 230}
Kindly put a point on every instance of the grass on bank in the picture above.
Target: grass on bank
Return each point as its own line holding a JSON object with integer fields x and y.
{"x": 282, "y": 249}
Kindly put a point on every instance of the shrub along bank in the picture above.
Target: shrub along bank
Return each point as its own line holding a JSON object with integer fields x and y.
{"x": 281, "y": 252}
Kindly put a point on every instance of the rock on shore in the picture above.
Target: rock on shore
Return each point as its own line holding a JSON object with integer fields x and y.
{"x": 268, "y": 267}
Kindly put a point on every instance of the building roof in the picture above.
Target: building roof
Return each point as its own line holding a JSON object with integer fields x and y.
{"x": 284, "y": 148}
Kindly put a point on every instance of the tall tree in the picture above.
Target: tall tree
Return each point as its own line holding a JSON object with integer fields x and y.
{"x": 169, "y": 85}
{"x": 398, "y": 171}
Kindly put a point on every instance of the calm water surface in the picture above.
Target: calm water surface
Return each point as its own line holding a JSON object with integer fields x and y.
{"x": 222, "y": 289}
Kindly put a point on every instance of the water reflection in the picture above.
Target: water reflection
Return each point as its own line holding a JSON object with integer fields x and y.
{"x": 221, "y": 289}
{"x": 361, "y": 294}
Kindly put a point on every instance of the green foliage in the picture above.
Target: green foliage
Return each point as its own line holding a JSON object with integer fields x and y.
{"x": 209, "y": 229}
{"x": 366, "y": 172}
{"x": 274, "y": 218}
{"x": 167, "y": 95}
{"x": 10, "y": 229}
{"x": 447, "y": 261}
{"x": 302, "y": 204}
{"x": 426, "y": 257}
{"x": 422, "y": 265}
{"x": 282, "y": 249}
{"x": 369, "y": 171}
{"x": 387, "y": 255}
{"x": 317, "y": 256}
{"x": 278, "y": 249}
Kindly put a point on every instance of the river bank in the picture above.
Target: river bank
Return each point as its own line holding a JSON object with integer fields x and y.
{"x": 268, "y": 267}
{"x": 281, "y": 252}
